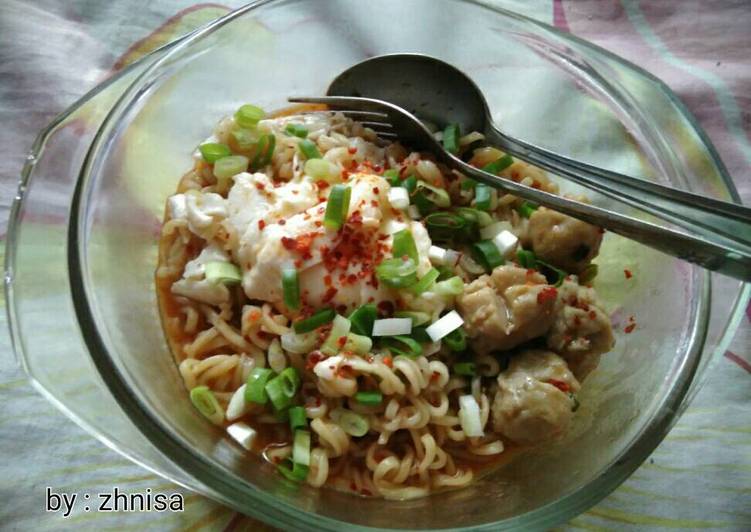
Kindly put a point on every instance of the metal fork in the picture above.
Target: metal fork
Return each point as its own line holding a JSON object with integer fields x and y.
{"x": 715, "y": 250}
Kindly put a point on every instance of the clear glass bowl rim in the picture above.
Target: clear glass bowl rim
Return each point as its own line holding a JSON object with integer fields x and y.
{"x": 283, "y": 514}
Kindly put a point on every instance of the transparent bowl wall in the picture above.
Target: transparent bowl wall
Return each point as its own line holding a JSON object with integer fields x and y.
{"x": 80, "y": 276}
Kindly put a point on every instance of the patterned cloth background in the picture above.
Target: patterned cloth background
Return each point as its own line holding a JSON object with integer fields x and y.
{"x": 52, "y": 52}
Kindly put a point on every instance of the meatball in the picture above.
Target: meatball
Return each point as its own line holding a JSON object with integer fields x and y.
{"x": 506, "y": 308}
{"x": 581, "y": 329}
{"x": 534, "y": 401}
{"x": 563, "y": 241}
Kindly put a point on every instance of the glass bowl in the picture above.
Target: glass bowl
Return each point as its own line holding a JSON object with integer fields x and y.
{"x": 82, "y": 249}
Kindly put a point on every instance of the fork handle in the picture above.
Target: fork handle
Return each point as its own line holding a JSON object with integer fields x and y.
{"x": 728, "y": 223}
{"x": 709, "y": 253}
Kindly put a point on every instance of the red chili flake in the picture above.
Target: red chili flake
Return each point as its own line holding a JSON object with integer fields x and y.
{"x": 341, "y": 341}
{"x": 329, "y": 295}
{"x": 514, "y": 175}
{"x": 289, "y": 243}
{"x": 277, "y": 459}
{"x": 628, "y": 273}
{"x": 282, "y": 222}
{"x": 376, "y": 190}
{"x": 536, "y": 184}
{"x": 377, "y": 168}
{"x": 547, "y": 294}
{"x": 388, "y": 362}
{"x": 322, "y": 184}
{"x": 298, "y": 263}
{"x": 629, "y": 328}
{"x": 341, "y": 309}
{"x": 561, "y": 385}
{"x": 318, "y": 223}
{"x": 374, "y": 203}
{"x": 327, "y": 280}
{"x": 314, "y": 358}
{"x": 352, "y": 150}
{"x": 260, "y": 186}
{"x": 577, "y": 321}
{"x": 261, "y": 225}
{"x": 352, "y": 278}
{"x": 366, "y": 492}
{"x": 353, "y": 486}
{"x": 295, "y": 192}
{"x": 435, "y": 376}
{"x": 592, "y": 314}
{"x": 385, "y": 309}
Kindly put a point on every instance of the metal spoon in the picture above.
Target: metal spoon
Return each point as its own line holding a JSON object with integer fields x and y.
{"x": 442, "y": 94}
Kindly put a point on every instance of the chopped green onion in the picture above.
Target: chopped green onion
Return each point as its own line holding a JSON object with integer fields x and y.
{"x": 418, "y": 318}
{"x": 410, "y": 183}
{"x": 264, "y": 152}
{"x": 420, "y": 334}
{"x": 434, "y": 195}
{"x": 337, "y": 207}
{"x": 362, "y": 319}
{"x": 298, "y": 418}
{"x": 223, "y": 272}
{"x": 486, "y": 253}
{"x": 589, "y": 273}
{"x": 483, "y": 196}
{"x": 482, "y": 218}
{"x": 444, "y": 226}
{"x": 451, "y": 139}
{"x": 351, "y": 422}
{"x": 309, "y": 149}
{"x": 397, "y": 272}
{"x": 295, "y": 473}
{"x": 422, "y": 203}
{"x": 255, "y": 388}
{"x": 555, "y": 276}
{"x": 526, "y": 209}
{"x": 282, "y": 388}
{"x": 425, "y": 282}
{"x": 404, "y": 245}
{"x": 322, "y": 317}
{"x": 322, "y": 169}
{"x": 230, "y": 166}
{"x": 291, "y": 288}
{"x": 358, "y": 344}
{"x": 498, "y": 165}
{"x": 526, "y": 258}
{"x": 249, "y": 115}
{"x": 206, "y": 403}
{"x": 300, "y": 344}
{"x": 468, "y": 184}
{"x": 392, "y": 176}
{"x": 452, "y": 286}
{"x": 245, "y": 139}
{"x": 456, "y": 340}
{"x": 301, "y": 448}
{"x": 337, "y": 337}
{"x": 467, "y": 369}
{"x": 297, "y": 130}
{"x": 403, "y": 345}
{"x": 445, "y": 272}
{"x": 371, "y": 398}
{"x": 213, "y": 151}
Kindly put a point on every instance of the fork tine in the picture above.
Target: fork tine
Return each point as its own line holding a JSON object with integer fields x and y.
{"x": 377, "y": 125}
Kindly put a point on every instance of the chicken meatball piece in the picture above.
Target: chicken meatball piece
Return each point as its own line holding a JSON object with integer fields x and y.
{"x": 561, "y": 240}
{"x": 581, "y": 329}
{"x": 506, "y": 308}
{"x": 534, "y": 400}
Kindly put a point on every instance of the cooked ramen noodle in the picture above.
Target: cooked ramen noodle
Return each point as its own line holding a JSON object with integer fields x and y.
{"x": 364, "y": 317}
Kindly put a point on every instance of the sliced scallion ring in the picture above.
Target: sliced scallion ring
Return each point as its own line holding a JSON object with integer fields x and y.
{"x": 456, "y": 340}
{"x": 362, "y": 319}
{"x": 402, "y": 345}
{"x": 498, "y": 165}
{"x": 526, "y": 258}
{"x": 298, "y": 418}
{"x": 418, "y": 318}
{"x": 291, "y": 288}
{"x": 351, "y": 422}
{"x": 249, "y": 115}
{"x": 255, "y": 387}
{"x": 337, "y": 337}
{"x": 451, "y": 139}
{"x": 309, "y": 149}
{"x": 483, "y": 197}
{"x": 230, "y": 166}
{"x": 223, "y": 272}
{"x": 206, "y": 403}
{"x": 397, "y": 272}
{"x": 337, "y": 207}
{"x": 453, "y": 286}
{"x": 404, "y": 245}
{"x": 264, "y": 152}
{"x": 213, "y": 151}
{"x": 322, "y": 317}
{"x": 369, "y": 398}
{"x": 465, "y": 369}
{"x": 444, "y": 226}
{"x": 486, "y": 253}
{"x": 425, "y": 282}
{"x": 301, "y": 448}
{"x": 526, "y": 209}
{"x": 297, "y": 130}
{"x": 292, "y": 471}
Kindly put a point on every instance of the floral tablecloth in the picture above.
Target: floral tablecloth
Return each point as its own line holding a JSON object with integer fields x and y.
{"x": 52, "y": 52}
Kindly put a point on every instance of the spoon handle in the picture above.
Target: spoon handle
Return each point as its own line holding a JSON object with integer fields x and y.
{"x": 717, "y": 220}
{"x": 731, "y": 260}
